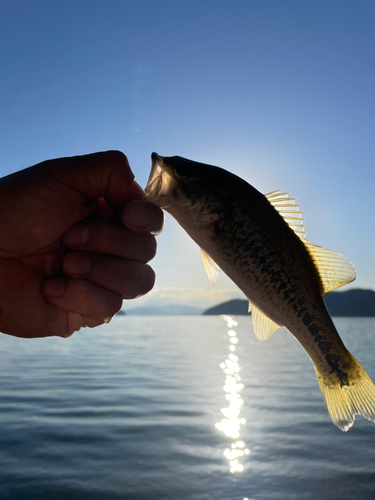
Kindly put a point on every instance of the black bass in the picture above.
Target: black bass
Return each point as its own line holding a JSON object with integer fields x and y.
{"x": 259, "y": 241}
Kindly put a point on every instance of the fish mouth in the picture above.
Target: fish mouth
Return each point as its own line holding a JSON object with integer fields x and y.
{"x": 158, "y": 182}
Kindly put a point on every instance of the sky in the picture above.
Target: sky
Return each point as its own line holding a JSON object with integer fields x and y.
{"x": 279, "y": 92}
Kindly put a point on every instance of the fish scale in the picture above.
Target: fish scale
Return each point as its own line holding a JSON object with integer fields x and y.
{"x": 259, "y": 241}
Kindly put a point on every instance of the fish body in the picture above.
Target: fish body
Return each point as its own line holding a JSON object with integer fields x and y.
{"x": 260, "y": 243}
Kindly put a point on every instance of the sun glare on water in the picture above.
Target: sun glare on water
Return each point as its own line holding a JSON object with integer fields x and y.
{"x": 231, "y": 424}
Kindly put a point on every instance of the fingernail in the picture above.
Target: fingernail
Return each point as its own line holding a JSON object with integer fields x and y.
{"x": 53, "y": 288}
{"x": 76, "y": 264}
{"x": 77, "y": 235}
{"x": 139, "y": 215}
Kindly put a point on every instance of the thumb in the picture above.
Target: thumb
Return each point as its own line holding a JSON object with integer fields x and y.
{"x": 106, "y": 174}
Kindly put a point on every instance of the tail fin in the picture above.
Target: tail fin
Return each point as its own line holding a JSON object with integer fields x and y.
{"x": 344, "y": 402}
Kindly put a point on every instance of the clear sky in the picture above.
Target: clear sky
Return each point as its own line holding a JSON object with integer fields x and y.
{"x": 280, "y": 92}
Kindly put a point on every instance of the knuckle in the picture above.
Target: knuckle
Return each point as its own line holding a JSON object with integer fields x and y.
{"x": 115, "y": 304}
{"x": 119, "y": 160}
{"x": 148, "y": 279}
{"x": 142, "y": 282}
{"x": 149, "y": 248}
{"x": 117, "y": 156}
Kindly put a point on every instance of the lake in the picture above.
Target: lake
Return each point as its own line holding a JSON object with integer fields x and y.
{"x": 177, "y": 408}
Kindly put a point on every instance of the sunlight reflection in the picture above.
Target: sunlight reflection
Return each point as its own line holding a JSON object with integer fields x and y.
{"x": 231, "y": 424}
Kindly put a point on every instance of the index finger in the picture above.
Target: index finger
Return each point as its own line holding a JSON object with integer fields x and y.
{"x": 99, "y": 175}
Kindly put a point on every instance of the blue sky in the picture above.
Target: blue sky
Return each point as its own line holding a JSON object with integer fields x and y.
{"x": 279, "y": 92}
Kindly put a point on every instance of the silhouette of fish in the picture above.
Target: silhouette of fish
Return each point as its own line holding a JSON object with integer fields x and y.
{"x": 260, "y": 242}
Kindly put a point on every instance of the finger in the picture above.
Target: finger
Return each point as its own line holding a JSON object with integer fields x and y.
{"x": 92, "y": 323}
{"x": 105, "y": 174}
{"x": 140, "y": 194}
{"x": 129, "y": 278}
{"x": 104, "y": 237}
{"x": 82, "y": 297}
{"x": 75, "y": 321}
{"x": 143, "y": 217}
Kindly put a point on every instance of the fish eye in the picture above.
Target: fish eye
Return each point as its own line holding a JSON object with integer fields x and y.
{"x": 180, "y": 171}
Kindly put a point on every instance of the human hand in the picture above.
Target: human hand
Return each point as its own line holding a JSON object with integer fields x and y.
{"x": 74, "y": 242}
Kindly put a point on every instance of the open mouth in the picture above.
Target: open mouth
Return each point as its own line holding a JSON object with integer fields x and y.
{"x": 154, "y": 182}
{"x": 158, "y": 181}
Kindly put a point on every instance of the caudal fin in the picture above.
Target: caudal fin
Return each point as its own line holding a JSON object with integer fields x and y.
{"x": 343, "y": 401}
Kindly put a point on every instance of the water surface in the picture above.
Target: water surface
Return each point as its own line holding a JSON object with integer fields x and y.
{"x": 131, "y": 410}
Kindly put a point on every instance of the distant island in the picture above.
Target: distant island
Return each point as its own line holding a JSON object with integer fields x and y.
{"x": 356, "y": 302}
{"x": 232, "y": 307}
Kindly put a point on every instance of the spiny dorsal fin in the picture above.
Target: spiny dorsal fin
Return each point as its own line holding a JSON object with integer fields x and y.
{"x": 334, "y": 269}
{"x": 288, "y": 209}
{"x": 211, "y": 268}
{"x": 263, "y": 326}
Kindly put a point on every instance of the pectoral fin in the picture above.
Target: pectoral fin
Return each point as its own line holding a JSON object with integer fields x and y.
{"x": 334, "y": 269}
{"x": 210, "y": 266}
{"x": 263, "y": 326}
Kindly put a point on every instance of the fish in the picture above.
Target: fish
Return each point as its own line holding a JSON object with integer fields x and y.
{"x": 259, "y": 241}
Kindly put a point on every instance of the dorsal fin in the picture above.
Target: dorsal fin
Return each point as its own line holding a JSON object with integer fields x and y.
{"x": 288, "y": 209}
{"x": 210, "y": 266}
{"x": 334, "y": 269}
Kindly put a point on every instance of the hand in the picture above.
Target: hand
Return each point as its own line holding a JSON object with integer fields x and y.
{"x": 74, "y": 242}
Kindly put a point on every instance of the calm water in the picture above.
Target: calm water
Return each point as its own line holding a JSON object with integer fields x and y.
{"x": 136, "y": 410}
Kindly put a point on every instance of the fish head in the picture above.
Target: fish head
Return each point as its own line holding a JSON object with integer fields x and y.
{"x": 192, "y": 192}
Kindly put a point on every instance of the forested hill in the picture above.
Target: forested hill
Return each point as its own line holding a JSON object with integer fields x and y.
{"x": 356, "y": 302}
